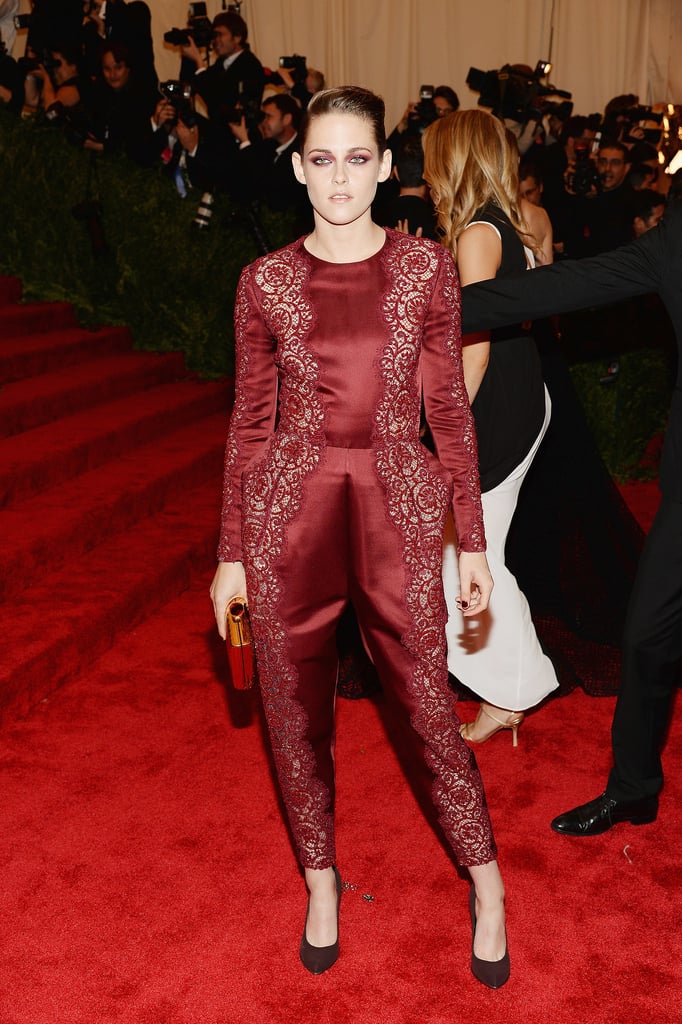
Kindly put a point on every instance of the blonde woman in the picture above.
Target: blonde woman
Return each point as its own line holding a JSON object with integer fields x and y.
{"x": 472, "y": 172}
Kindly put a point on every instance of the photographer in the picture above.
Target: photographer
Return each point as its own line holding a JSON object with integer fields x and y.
{"x": 122, "y": 109}
{"x": 113, "y": 21}
{"x": 418, "y": 115}
{"x": 568, "y": 172}
{"x": 304, "y": 87}
{"x": 621, "y": 115}
{"x": 191, "y": 147}
{"x": 608, "y": 212}
{"x": 234, "y": 82}
{"x": 644, "y": 160}
{"x": 56, "y": 83}
{"x": 265, "y": 170}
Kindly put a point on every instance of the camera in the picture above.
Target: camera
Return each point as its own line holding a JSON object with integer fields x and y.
{"x": 424, "y": 113}
{"x": 511, "y": 92}
{"x": 179, "y": 95}
{"x": 44, "y": 58}
{"x": 74, "y": 120}
{"x": 249, "y": 110}
{"x": 584, "y": 177}
{"x": 22, "y": 22}
{"x": 635, "y": 115}
{"x": 199, "y": 28}
{"x": 562, "y": 110}
{"x": 295, "y": 64}
{"x": 48, "y": 62}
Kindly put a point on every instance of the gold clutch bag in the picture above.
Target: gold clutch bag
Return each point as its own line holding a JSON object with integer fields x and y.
{"x": 240, "y": 645}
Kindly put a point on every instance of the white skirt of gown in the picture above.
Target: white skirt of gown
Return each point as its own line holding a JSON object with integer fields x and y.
{"x": 497, "y": 654}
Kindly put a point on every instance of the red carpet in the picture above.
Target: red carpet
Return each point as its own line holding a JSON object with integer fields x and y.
{"x": 147, "y": 876}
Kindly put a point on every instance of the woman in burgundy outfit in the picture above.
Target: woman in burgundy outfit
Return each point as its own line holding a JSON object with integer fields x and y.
{"x": 330, "y": 497}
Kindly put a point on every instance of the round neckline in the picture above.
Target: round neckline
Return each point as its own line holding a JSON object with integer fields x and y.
{"x": 349, "y": 263}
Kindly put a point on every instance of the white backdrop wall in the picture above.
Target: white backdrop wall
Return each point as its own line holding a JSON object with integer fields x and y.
{"x": 599, "y": 48}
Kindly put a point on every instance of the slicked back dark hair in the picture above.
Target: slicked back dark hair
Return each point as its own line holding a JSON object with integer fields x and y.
{"x": 348, "y": 99}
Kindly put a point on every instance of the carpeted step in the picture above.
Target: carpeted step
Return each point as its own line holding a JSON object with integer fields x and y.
{"x": 30, "y": 403}
{"x": 34, "y": 317}
{"x": 41, "y": 458}
{"x": 110, "y": 479}
{"x": 10, "y": 290}
{"x": 62, "y": 524}
{"x": 60, "y": 624}
{"x": 29, "y": 355}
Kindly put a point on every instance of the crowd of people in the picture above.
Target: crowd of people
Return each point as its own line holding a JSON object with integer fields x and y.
{"x": 229, "y": 124}
{"x": 225, "y": 124}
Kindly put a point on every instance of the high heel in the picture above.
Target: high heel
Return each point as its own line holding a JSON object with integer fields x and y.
{"x": 493, "y": 973}
{"x": 512, "y": 721}
{"x": 318, "y": 959}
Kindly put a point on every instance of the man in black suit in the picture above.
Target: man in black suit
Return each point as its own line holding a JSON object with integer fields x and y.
{"x": 652, "y": 642}
{"x": 265, "y": 168}
{"x": 235, "y": 79}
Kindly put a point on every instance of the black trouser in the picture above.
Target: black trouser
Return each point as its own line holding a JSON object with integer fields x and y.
{"x": 652, "y": 646}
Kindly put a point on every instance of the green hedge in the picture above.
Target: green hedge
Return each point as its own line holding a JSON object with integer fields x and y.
{"x": 625, "y": 415}
{"x": 175, "y": 287}
{"x": 172, "y": 285}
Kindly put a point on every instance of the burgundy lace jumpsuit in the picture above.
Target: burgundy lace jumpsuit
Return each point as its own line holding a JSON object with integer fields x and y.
{"x": 330, "y": 497}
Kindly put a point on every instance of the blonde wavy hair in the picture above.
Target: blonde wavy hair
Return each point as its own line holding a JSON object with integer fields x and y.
{"x": 469, "y": 162}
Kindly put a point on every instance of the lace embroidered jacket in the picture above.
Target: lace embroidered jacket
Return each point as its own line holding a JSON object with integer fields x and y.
{"x": 340, "y": 354}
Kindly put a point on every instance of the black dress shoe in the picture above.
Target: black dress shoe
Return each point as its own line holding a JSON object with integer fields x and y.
{"x": 318, "y": 959}
{"x": 493, "y": 973}
{"x": 600, "y": 815}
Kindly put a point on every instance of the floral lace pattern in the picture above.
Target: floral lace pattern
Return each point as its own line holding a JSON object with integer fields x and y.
{"x": 230, "y": 545}
{"x": 417, "y": 500}
{"x": 273, "y": 494}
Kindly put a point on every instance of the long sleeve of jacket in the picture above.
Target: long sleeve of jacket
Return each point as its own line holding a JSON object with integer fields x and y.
{"x": 253, "y": 417}
{"x": 446, "y": 404}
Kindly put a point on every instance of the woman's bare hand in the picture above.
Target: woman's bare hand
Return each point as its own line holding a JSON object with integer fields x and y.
{"x": 475, "y": 583}
{"x": 229, "y": 582}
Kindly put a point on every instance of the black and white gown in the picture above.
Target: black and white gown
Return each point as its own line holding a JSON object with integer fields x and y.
{"x": 497, "y": 655}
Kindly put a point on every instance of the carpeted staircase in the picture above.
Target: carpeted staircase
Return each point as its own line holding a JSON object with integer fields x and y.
{"x": 110, "y": 467}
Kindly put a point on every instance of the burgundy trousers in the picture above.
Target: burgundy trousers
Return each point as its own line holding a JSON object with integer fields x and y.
{"x": 348, "y": 524}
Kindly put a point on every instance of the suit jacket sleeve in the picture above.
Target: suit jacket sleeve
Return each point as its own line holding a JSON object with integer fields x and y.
{"x": 253, "y": 416}
{"x": 448, "y": 412}
{"x": 634, "y": 269}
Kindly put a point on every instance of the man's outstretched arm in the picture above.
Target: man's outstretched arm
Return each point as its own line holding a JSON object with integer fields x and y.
{"x": 635, "y": 269}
